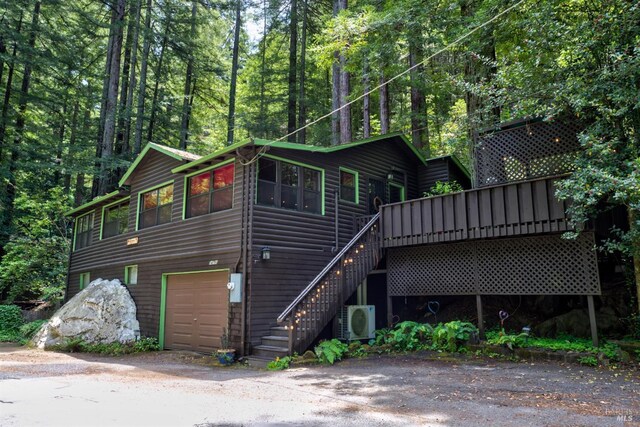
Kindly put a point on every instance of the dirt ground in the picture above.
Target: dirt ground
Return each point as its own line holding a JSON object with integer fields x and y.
{"x": 181, "y": 389}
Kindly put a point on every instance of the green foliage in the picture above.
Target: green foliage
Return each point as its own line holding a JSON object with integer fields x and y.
{"x": 28, "y": 330}
{"x": 330, "y": 351}
{"x": 279, "y": 364}
{"x": 10, "y": 318}
{"x": 509, "y": 340}
{"x": 441, "y": 188}
{"x": 449, "y": 336}
{"x": 588, "y": 361}
{"x": 144, "y": 345}
{"x": 357, "y": 349}
{"x": 77, "y": 345}
{"x": 410, "y": 336}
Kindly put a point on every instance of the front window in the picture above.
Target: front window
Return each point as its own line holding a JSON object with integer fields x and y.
{"x": 349, "y": 186}
{"x": 210, "y": 191}
{"x": 85, "y": 279}
{"x": 116, "y": 220}
{"x": 289, "y": 186}
{"x": 84, "y": 229}
{"x": 156, "y": 206}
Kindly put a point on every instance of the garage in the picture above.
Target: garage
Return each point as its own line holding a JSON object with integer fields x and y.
{"x": 196, "y": 310}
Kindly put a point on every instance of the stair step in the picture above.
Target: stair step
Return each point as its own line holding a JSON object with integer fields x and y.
{"x": 270, "y": 351}
{"x": 258, "y": 362}
{"x": 275, "y": 341}
{"x": 280, "y": 331}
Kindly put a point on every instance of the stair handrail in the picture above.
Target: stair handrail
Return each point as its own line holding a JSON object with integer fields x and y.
{"x": 287, "y": 312}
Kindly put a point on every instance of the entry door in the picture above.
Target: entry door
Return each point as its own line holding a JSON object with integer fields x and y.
{"x": 196, "y": 311}
{"x": 376, "y": 189}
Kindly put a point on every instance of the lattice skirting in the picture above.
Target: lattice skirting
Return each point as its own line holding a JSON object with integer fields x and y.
{"x": 540, "y": 265}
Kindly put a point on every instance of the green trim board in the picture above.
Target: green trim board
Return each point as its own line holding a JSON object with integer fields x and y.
{"x": 92, "y": 202}
{"x": 304, "y": 165}
{"x": 210, "y": 157}
{"x": 198, "y": 172}
{"x": 146, "y": 190}
{"x": 357, "y": 183}
{"x": 104, "y": 208}
{"x": 143, "y": 153}
{"x": 75, "y": 226}
{"x": 163, "y": 299}
{"x": 403, "y": 195}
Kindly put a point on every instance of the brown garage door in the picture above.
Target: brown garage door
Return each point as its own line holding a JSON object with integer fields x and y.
{"x": 196, "y": 311}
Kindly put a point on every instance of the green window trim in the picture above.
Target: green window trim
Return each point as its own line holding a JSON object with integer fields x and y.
{"x": 304, "y": 165}
{"x": 357, "y": 184}
{"x": 163, "y": 299}
{"x": 85, "y": 279}
{"x": 90, "y": 230}
{"x": 104, "y": 210}
{"x": 403, "y": 195}
{"x": 127, "y": 274}
{"x": 146, "y": 190}
{"x": 185, "y": 191}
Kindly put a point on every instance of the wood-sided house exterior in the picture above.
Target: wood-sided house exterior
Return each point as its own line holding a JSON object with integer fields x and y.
{"x": 180, "y": 228}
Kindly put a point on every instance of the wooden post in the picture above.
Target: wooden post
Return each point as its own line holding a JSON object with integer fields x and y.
{"x": 592, "y": 320}
{"x": 389, "y": 310}
{"x": 480, "y": 317}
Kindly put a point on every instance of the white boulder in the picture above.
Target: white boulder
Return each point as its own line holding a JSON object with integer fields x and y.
{"x": 103, "y": 312}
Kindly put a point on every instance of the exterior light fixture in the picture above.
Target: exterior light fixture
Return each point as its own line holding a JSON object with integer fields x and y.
{"x": 265, "y": 253}
{"x": 390, "y": 175}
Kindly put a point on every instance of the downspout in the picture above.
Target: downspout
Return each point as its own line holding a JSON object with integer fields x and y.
{"x": 336, "y": 218}
{"x": 243, "y": 255}
{"x": 248, "y": 280}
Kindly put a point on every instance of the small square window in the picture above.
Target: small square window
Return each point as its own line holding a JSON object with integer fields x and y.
{"x": 131, "y": 275}
{"x": 85, "y": 279}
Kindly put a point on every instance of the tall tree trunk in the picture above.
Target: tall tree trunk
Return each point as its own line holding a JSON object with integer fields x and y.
{"x": 3, "y": 52}
{"x": 293, "y": 62}
{"x": 345, "y": 88}
{"x": 70, "y": 160}
{"x": 106, "y": 158}
{"x": 158, "y": 75}
{"x": 263, "y": 71}
{"x": 186, "y": 102}
{"x": 419, "y": 129}
{"x": 4, "y": 116}
{"x": 57, "y": 175}
{"x": 335, "y": 88}
{"x": 302, "y": 106}
{"x": 146, "y": 47}
{"x": 10, "y": 191}
{"x": 124, "y": 87}
{"x": 126, "y": 137}
{"x": 231, "y": 120}
{"x": 366, "y": 102}
{"x": 385, "y": 121}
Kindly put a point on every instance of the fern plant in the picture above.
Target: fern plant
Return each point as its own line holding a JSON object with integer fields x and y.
{"x": 329, "y": 352}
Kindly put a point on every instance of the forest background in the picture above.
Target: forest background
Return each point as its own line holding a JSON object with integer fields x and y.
{"x": 85, "y": 84}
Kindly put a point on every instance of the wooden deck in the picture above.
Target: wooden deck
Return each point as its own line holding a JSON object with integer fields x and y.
{"x": 514, "y": 209}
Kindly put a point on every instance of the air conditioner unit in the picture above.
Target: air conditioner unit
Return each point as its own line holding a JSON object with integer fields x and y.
{"x": 357, "y": 322}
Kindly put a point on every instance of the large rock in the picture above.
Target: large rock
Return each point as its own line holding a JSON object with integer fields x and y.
{"x": 103, "y": 312}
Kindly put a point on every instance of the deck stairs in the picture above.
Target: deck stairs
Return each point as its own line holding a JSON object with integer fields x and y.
{"x": 312, "y": 310}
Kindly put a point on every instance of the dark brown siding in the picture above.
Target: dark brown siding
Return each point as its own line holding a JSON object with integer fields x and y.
{"x": 441, "y": 169}
{"x": 302, "y": 243}
{"x": 203, "y": 243}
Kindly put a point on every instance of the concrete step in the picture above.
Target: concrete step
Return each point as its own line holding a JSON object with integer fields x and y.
{"x": 270, "y": 351}
{"x": 279, "y": 331}
{"x": 275, "y": 341}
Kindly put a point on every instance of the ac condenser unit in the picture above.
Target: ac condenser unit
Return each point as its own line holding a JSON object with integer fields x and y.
{"x": 357, "y": 322}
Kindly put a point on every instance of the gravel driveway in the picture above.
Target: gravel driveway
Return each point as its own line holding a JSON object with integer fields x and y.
{"x": 181, "y": 389}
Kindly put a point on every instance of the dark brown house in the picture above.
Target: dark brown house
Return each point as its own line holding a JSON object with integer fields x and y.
{"x": 269, "y": 239}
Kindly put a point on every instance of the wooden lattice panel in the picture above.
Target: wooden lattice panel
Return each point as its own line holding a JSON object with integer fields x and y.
{"x": 540, "y": 265}
{"x": 531, "y": 150}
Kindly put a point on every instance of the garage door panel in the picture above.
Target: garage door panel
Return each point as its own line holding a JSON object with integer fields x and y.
{"x": 196, "y": 310}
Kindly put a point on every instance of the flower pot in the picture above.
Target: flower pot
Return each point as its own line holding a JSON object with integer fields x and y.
{"x": 226, "y": 356}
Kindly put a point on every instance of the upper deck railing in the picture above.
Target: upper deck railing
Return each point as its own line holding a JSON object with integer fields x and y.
{"x": 518, "y": 208}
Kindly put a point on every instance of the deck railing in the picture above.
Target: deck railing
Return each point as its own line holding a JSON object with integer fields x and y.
{"x": 321, "y": 300}
{"x": 519, "y": 208}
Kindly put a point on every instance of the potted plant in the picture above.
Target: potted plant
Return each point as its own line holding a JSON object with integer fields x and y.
{"x": 226, "y": 354}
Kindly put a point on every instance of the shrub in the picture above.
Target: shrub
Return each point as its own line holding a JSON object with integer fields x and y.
{"x": 28, "y": 330}
{"x": 77, "y": 345}
{"x": 449, "y": 336}
{"x": 588, "y": 361}
{"x": 329, "y": 352}
{"x": 279, "y": 364}
{"x": 410, "y": 336}
{"x": 446, "y": 187}
{"x": 146, "y": 344}
{"x": 10, "y": 318}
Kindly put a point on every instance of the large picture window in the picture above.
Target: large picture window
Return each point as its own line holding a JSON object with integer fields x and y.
{"x": 289, "y": 186}
{"x": 84, "y": 229}
{"x": 210, "y": 191}
{"x": 155, "y": 206}
{"x": 116, "y": 219}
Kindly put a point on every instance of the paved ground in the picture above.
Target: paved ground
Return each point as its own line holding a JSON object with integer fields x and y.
{"x": 179, "y": 389}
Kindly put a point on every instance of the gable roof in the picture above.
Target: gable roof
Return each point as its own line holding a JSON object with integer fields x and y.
{"x": 302, "y": 147}
{"x": 171, "y": 152}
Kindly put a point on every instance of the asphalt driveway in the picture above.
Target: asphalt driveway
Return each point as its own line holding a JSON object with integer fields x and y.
{"x": 181, "y": 389}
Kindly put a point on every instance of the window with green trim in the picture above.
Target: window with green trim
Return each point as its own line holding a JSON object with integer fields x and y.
{"x": 131, "y": 275}
{"x": 349, "y": 186}
{"x": 84, "y": 230}
{"x": 211, "y": 191}
{"x": 156, "y": 206}
{"x": 85, "y": 279}
{"x": 289, "y": 186}
{"x": 116, "y": 220}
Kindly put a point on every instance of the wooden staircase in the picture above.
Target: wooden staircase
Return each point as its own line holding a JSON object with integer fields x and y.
{"x": 302, "y": 321}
